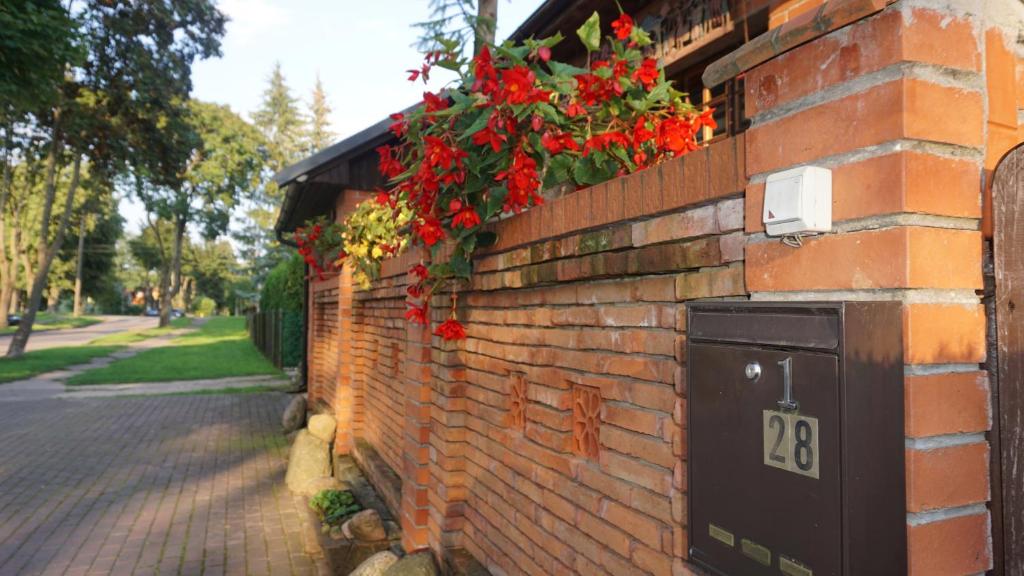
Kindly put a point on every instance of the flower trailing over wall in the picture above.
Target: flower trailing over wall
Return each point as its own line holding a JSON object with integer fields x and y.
{"x": 514, "y": 123}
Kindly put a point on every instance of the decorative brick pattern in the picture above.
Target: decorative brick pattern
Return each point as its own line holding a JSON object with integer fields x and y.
{"x": 586, "y": 421}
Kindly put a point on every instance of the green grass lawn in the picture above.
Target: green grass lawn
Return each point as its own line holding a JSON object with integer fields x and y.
{"x": 122, "y": 338}
{"x": 219, "y": 349}
{"x": 50, "y": 321}
{"x": 33, "y": 363}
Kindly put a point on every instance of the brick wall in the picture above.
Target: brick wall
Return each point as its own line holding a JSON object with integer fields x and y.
{"x": 323, "y": 341}
{"x": 552, "y": 440}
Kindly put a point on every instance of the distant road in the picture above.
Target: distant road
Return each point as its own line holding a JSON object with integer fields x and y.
{"x": 76, "y": 336}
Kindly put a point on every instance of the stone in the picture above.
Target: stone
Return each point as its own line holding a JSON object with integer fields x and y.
{"x": 376, "y": 565}
{"x": 322, "y": 426}
{"x": 308, "y": 459}
{"x": 365, "y": 526}
{"x": 418, "y": 564}
{"x": 294, "y": 415}
{"x": 316, "y": 485}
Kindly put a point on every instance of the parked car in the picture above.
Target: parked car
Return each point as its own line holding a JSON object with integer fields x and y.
{"x": 152, "y": 312}
{"x": 13, "y": 320}
{"x": 177, "y": 313}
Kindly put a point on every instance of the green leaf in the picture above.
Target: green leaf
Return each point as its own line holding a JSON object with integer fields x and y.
{"x": 460, "y": 265}
{"x": 477, "y": 125}
{"x": 560, "y": 170}
{"x": 590, "y": 32}
{"x": 563, "y": 69}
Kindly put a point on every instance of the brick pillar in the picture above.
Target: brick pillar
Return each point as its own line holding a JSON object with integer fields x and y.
{"x": 447, "y": 490}
{"x": 416, "y": 438}
{"x": 344, "y": 396}
{"x": 895, "y": 105}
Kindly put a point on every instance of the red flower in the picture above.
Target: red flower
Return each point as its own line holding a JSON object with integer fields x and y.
{"x": 388, "y": 165}
{"x": 522, "y": 181}
{"x": 556, "y": 143}
{"x": 489, "y": 134}
{"x": 486, "y": 76}
{"x": 413, "y": 75}
{"x": 676, "y": 135}
{"x": 467, "y": 218}
{"x": 383, "y": 198}
{"x": 414, "y": 290}
{"x": 706, "y": 119}
{"x": 574, "y": 110}
{"x": 516, "y": 85}
{"x": 420, "y": 271}
{"x": 451, "y": 329}
{"x": 434, "y": 103}
{"x": 429, "y": 230}
{"x": 544, "y": 53}
{"x": 399, "y": 127}
{"x": 623, "y": 27}
{"x": 416, "y": 314}
{"x": 647, "y": 73}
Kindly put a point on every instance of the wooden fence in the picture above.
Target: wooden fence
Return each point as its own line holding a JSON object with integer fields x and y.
{"x": 277, "y": 334}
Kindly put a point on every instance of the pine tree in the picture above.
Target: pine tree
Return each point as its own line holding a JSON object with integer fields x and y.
{"x": 320, "y": 134}
{"x": 281, "y": 122}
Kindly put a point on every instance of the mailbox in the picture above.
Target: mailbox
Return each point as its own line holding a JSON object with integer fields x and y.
{"x": 796, "y": 438}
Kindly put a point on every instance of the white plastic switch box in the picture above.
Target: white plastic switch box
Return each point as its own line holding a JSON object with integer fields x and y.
{"x": 798, "y": 201}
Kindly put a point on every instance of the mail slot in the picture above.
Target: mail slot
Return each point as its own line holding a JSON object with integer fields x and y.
{"x": 796, "y": 438}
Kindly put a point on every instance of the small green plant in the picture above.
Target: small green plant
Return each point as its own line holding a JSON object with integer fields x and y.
{"x": 333, "y": 507}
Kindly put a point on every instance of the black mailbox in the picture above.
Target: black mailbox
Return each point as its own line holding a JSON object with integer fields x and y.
{"x": 796, "y": 438}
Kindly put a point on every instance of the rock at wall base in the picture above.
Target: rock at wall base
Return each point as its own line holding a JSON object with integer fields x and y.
{"x": 322, "y": 426}
{"x": 294, "y": 416}
{"x": 418, "y": 564}
{"x": 308, "y": 459}
{"x": 374, "y": 565}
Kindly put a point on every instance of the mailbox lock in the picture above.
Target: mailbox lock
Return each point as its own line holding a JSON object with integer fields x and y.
{"x": 753, "y": 371}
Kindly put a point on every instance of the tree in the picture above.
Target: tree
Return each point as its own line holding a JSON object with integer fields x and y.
{"x": 123, "y": 103}
{"x": 225, "y": 161}
{"x": 38, "y": 38}
{"x": 320, "y": 134}
{"x": 281, "y": 122}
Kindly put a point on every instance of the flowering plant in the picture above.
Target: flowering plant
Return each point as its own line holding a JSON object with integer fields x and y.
{"x": 318, "y": 242}
{"x": 516, "y": 122}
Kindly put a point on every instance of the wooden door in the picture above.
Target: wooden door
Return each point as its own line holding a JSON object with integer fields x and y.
{"x": 1008, "y": 385}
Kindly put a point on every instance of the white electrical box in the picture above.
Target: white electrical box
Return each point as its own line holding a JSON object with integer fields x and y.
{"x": 798, "y": 201}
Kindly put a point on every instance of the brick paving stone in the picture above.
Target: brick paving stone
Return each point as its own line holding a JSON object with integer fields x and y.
{"x": 184, "y": 485}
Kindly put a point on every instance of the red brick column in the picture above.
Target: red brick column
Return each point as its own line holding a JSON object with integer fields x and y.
{"x": 344, "y": 395}
{"x": 895, "y": 105}
{"x": 416, "y": 438}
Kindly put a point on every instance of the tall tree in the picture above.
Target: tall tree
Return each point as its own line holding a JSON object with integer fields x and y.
{"x": 320, "y": 134}
{"x": 225, "y": 162}
{"x": 123, "y": 102}
{"x": 281, "y": 122}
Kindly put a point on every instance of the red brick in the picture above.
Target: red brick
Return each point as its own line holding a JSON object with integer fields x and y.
{"x": 692, "y": 223}
{"x": 954, "y": 402}
{"x": 899, "y": 257}
{"x": 653, "y": 561}
{"x": 920, "y": 35}
{"x": 630, "y": 418}
{"x": 950, "y": 547}
{"x": 947, "y": 477}
{"x": 943, "y": 333}
{"x": 906, "y": 108}
{"x": 641, "y": 527}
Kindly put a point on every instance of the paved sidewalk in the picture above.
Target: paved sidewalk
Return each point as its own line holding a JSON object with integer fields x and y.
{"x": 148, "y": 485}
{"x": 173, "y": 387}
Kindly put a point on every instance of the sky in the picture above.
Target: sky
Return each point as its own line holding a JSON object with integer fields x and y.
{"x": 360, "y": 49}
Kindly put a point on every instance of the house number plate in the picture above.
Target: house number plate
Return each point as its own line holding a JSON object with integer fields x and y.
{"x": 791, "y": 442}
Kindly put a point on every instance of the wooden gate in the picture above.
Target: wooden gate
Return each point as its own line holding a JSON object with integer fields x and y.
{"x": 1008, "y": 387}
